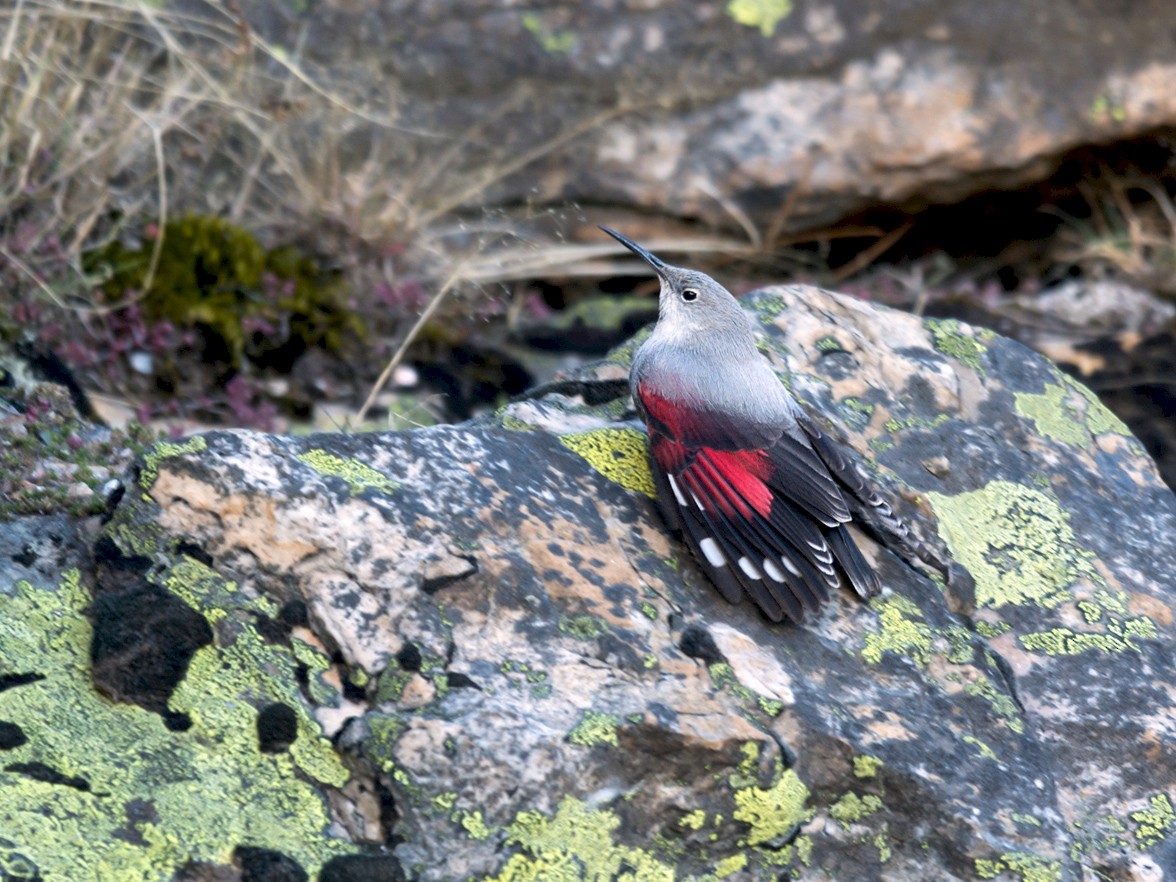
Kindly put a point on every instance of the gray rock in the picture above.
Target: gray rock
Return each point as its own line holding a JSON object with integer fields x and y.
{"x": 526, "y": 678}
{"x": 783, "y": 111}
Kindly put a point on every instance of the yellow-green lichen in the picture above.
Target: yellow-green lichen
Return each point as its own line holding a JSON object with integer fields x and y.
{"x": 851, "y": 808}
{"x": 554, "y": 42}
{"x": 985, "y": 751}
{"x": 732, "y": 864}
{"x": 950, "y": 338}
{"x": 762, "y": 14}
{"x": 1068, "y": 412}
{"x": 865, "y": 766}
{"x": 772, "y": 813}
{"x": 1120, "y": 636}
{"x": 357, "y": 475}
{"x": 445, "y": 801}
{"x": 1154, "y": 823}
{"x": 576, "y": 845}
{"x": 621, "y": 455}
{"x": 582, "y": 627}
{"x": 474, "y": 824}
{"x": 991, "y": 629}
{"x": 693, "y": 820}
{"x": 902, "y": 633}
{"x": 1001, "y": 703}
{"x": 1099, "y": 418}
{"x": 595, "y": 728}
{"x": 1026, "y": 867}
{"x": 128, "y": 757}
{"x": 897, "y": 425}
{"x": 649, "y": 611}
{"x": 1016, "y": 542}
{"x": 161, "y": 450}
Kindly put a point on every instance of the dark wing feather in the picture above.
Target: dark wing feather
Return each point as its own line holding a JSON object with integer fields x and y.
{"x": 763, "y": 521}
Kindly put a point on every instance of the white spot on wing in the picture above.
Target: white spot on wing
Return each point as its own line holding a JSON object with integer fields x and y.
{"x": 697, "y": 501}
{"x": 772, "y": 570}
{"x": 677, "y": 493}
{"x": 789, "y": 565}
{"x": 710, "y": 549}
{"x": 750, "y": 569}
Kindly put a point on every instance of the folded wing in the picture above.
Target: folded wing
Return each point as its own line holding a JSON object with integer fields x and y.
{"x": 760, "y": 508}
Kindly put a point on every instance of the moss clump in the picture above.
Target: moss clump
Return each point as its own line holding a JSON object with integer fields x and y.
{"x": 248, "y": 302}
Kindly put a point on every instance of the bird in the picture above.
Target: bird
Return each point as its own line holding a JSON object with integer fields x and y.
{"x": 741, "y": 471}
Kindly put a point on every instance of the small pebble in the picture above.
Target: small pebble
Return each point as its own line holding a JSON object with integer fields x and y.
{"x": 79, "y": 490}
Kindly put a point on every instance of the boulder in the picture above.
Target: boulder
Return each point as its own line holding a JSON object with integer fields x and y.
{"x": 474, "y": 652}
{"x": 763, "y": 112}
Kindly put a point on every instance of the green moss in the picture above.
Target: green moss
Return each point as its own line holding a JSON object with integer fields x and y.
{"x": 576, "y": 845}
{"x": 1154, "y": 823}
{"x": 851, "y": 808}
{"x": 357, "y": 475}
{"x": 215, "y": 275}
{"x": 129, "y": 758}
{"x": 762, "y": 14}
{"x": 1119, "y": 637}
{"x": 595, "y": 728}
{"x": 901, "y": 632}
{"x": 161, "y": 450}
{"x": 1015, "y": 541}
{"x": 950, "y": 338}
{"x": 621, "y": 455}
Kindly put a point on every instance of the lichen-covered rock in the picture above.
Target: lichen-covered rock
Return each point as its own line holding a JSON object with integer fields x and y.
{"x": 525, "y": 678}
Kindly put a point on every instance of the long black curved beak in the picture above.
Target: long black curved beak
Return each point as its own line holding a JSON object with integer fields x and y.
{"x": 659, "y": 266}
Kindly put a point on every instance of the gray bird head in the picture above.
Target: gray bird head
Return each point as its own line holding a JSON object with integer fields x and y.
{"x": 691, "y": 302}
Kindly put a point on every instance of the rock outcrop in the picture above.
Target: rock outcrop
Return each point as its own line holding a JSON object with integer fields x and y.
{"x": 473, "y": 651}
{"x": 785, "y": 114}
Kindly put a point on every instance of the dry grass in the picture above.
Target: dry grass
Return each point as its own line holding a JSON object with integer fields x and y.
{"x": 1130, "y": 232}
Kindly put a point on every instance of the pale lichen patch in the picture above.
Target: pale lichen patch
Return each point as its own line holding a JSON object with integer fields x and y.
{"x": 1016, "y": 542}
{"x": 621, "y": 455}
{"x": 357, "y": 475}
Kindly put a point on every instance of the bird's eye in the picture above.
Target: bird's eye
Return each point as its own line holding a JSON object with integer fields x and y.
{"x": 689, "y": 295}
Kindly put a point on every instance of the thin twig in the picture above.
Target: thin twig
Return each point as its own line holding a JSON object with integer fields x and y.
{"x": 408, "y": 340}
{"x": 866, "y": 257}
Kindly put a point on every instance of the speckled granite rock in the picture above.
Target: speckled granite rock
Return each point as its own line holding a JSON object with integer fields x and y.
{"x": 524, "y": 678}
